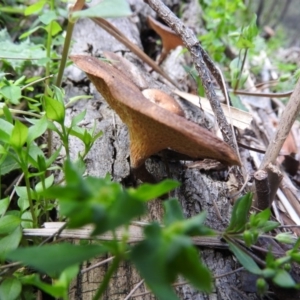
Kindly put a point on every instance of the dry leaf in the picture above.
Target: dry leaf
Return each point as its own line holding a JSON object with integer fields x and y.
{"x": 240, "y": 118}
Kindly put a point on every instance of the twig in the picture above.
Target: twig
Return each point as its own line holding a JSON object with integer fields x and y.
{"x": 229, "y": 273}
{"x": 259, "y": 94}
{"x": 202, "y": 63}
{"x": 117, "y": 34}
{"x": 55, "y": 234}
{"x": 262, "y": 189}
{"x": 103, "y": 262}
{"x": 185, "y": 282}
{"x": 275, "y": 177}
{"x": 34, "y": 82}
{"x": 285, "y": 124}
{"x": 134, "y": 289}
{"x": 242, "y": 188}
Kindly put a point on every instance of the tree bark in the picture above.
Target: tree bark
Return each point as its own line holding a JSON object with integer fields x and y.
{"x": 199, "y": 191}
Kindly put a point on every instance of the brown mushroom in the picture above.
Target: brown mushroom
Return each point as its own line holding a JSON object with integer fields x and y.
{"x": 163, "y": 100}
{"x": 151, "y": 128}
{"x": 170, "y": 40}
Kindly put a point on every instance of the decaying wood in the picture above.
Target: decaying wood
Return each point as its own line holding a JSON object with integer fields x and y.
{"x": 200, "y": 190}
{"x": 262, "y": 189}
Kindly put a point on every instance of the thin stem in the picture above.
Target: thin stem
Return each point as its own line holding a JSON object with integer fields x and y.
{"x": 47, "y": 72}
{"x": 48, "y": 47}
{"x": 241, "y": 71}
{"x": 27, "y": 183}
{"x": 34, "y": 82}
{"x": 23, "y": 112}
{"x": 65, "y": 53}
{"x": 64, "y": 136}
{"x": 45, "y": 199}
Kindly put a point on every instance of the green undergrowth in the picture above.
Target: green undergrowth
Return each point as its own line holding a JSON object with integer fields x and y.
{"x": 33, "y": 108}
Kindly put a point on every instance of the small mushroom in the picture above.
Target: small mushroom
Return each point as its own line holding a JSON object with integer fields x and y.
{"x": 170, "y": 40}
{"x": 163, "y": 100}
{"x": 151, "y": 128}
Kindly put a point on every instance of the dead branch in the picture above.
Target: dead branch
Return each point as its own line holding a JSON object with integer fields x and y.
{"x": 285, "y": 124}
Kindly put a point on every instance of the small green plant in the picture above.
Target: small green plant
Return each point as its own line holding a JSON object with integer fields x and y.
{"x": 244, "y": 231}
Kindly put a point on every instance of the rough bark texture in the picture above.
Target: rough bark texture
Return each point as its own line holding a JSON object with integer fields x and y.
{"x": 199, "y": 191}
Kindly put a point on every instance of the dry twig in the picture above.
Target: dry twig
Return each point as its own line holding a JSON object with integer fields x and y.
{"x": 284, "y": 127}
{"x": 203, "y": 64}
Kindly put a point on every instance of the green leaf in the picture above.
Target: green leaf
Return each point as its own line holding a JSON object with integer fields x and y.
{"x": 173, "y": 212}
{"x": 8, "y": 114}
{"x": 54, "y": 28}
{"x": 284, "y": 279}
{"x": 37, "y": 129}
{"x": 261, "y": 218}
{"x": 286, "y": 238}
{"x": 194, "y": 226}
{"x": 105, "y": 9}
{"x": 9, "y": 164}
{"x": 53, "y": 157}
{"x": 6, "y": 129}
{"x": 19, "y": 135}
{"x": 78, "y": 118}
{"x": 189, "y": 265}
{"x": 68, "y": 275}
{"x": 240, "y": 213}
{"x": 47, "y": 17}
{"x": 34, "y": 8}
{"x": 30, "y": 32}
{"x": 62, "y": 256}
{"x": 149, "y": 257}
{"x": 146, "y": 192}
{"x": 268, "y": 226}
{"x": 8, "y": 224}
{"x": 48, "y": 182}
{"x": 10, "y": 242}
{"x": 59, "y": 288}
{"x": 245, "y": 260}
{"x": 34, "y": 152}
{"x": 12, "y": 93}
{"x": 236, "y": 102}
{"x": 130, "y": 208}
{"x": 55, "y": 290}
{"x": 55, "y": 110}
{"x": 78, "y": 132}
{"x": 27, "y": 221}
{"x": 23, "y": 204}
{"x": 4, "y": 205}
{"x": 17, "y": 54}
{"x": 10, "y": 289}
{"x": 80, "y": 165}
{"x": 22, "y": 191}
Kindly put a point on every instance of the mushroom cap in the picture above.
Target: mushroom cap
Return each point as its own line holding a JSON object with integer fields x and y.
{"x": 170, "y": 40}
{"x": 151, "y": 128}
{"x": 129, "y": 70}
